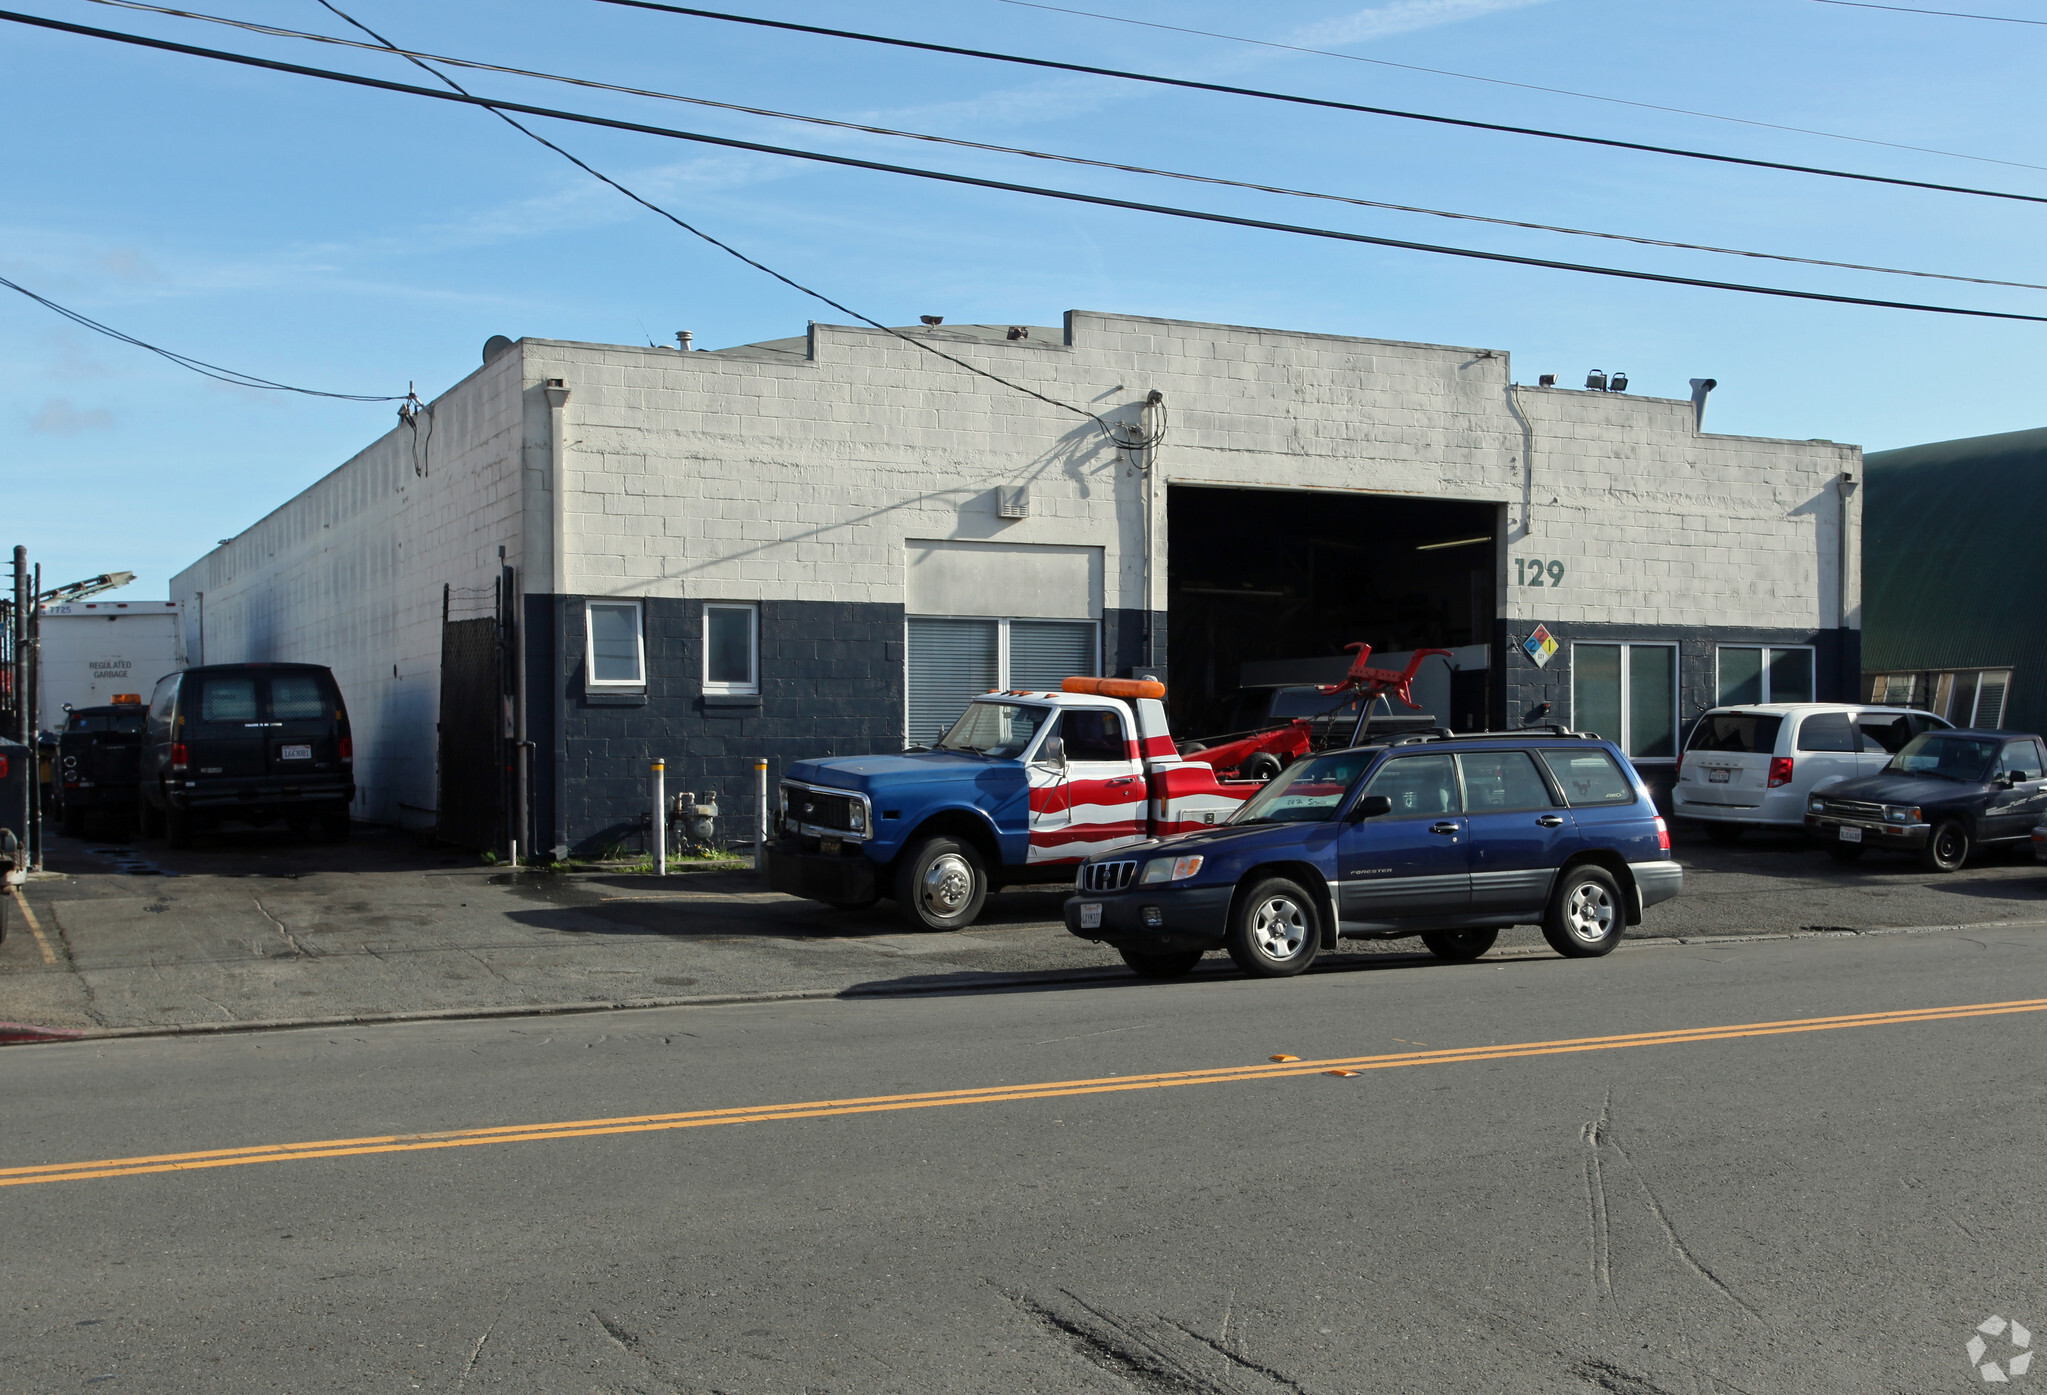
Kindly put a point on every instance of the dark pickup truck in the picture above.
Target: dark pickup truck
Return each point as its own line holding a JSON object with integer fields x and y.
{"x": 99, "y": 762}
{"x": 1942, "y": 796}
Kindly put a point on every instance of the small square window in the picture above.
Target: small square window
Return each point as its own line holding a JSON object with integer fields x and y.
{"x": 732, "y": 649}
{"x": 617, "y": 652}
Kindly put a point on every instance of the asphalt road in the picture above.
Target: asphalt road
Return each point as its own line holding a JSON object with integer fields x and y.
{"x": 1820, "y": 1206}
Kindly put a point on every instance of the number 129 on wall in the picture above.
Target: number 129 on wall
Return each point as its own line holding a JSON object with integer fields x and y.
{"x": 1534, "y": 571}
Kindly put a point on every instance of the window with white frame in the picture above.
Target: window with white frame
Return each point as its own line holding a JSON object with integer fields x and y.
{"x": 1628, "y": 694}
{"x": 953, "y": 661}
{"x": 615, "y": 647}
{"x": 1761, "y": 673}
{"x": 732, "y": 649}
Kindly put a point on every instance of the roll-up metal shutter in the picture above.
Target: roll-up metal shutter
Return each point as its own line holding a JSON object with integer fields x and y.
{"x": 1043, "y": 652}
{"x": 951, "y": 662}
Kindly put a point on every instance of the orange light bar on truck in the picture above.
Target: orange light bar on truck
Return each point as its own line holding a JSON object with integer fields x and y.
{"x": 1131, "y": 688}
{"x": 1114, "y": 687}
{"x": 135, "y": 698}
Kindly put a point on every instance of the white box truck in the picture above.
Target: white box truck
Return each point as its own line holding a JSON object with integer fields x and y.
{"x": 94, "y": 651}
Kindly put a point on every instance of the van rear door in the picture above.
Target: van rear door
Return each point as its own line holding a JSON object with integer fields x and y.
{"x": 224, "y": 727}
{"x": 303, "y": 738}
{"x": 1727, "y": 761}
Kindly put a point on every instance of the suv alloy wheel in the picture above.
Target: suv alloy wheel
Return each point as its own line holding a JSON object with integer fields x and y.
{"x": 1586, "y": 915}
{"x": 1275, "y": 930}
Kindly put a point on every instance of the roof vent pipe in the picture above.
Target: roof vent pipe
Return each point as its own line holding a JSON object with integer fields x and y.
{"x": 683, "y": 340}
{"x": 1700, "y": 387}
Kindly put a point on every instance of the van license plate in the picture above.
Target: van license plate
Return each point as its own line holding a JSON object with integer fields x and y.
{"x": 294, "y": 752}
{"x": 1850, "y": 835}
{"x": 1090, "y": 915}
{"x": 1719, "y": 777}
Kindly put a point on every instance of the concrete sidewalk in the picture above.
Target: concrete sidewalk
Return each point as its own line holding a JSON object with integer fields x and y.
{"x": 260, "y": 930}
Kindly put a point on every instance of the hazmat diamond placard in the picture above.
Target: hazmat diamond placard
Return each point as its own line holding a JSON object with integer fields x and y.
{"x": 1541, "y": 645}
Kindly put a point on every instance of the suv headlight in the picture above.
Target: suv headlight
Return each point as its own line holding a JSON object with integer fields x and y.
{"x": 1169, "y": 869}
{"x": 857, "y": 818}
{"x": 1816, "y": 805}
{"x": 1900, "y": 813}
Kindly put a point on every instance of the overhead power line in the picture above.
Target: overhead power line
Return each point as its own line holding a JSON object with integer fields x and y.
{"x": 1505, "y": 82}
{"x": 974, "y": 181}
{"x": 200, "y": 366}
{"x": 1944, "y": 14}
{"x": 1323, "y": 102}
{"x": 1127, "y": 442}
{"x": 422, "y": 59}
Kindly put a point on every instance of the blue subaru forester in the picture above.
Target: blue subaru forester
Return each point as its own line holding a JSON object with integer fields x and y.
{"x": 1451, "y": 838}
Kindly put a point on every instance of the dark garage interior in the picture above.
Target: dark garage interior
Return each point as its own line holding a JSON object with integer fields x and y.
{"x": 1265, "y": 574}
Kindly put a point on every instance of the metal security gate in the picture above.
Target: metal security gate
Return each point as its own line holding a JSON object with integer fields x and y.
{"x": 473, "y": 751}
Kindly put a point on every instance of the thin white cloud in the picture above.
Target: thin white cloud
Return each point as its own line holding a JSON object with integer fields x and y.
{"x": 59, "y": 418}
{"x": 1400, "y": 17}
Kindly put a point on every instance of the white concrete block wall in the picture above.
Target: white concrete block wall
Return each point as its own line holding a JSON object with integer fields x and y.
{"x": 749, "y": 475}
{"x": 772, "y": 473}
{"x": 349, "y": 574}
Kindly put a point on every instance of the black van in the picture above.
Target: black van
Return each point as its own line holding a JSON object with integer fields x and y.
{"x": 255, "y": 742}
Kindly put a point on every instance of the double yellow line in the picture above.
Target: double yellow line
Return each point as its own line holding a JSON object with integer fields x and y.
{"x": 993, "y": 1094}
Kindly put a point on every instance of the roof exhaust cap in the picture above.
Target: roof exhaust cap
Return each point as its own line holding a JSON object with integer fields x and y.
{"x": 1700, "y": 387}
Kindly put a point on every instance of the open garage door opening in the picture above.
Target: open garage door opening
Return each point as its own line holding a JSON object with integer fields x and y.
{"x": 1266, "y": 586}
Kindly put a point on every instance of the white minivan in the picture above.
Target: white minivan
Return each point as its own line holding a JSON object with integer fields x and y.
{"x": 1752, "y": 766}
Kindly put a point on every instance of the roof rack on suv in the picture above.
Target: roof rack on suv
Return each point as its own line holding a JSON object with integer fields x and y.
{"x": 1549, "y": 729}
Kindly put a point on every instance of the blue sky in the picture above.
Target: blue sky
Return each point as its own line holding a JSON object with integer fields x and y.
{"x": 356, "y": 241}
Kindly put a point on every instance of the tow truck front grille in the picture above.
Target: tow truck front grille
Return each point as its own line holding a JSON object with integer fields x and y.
{"x": 832, "y": 813}
{"x": 1107, "y": 876}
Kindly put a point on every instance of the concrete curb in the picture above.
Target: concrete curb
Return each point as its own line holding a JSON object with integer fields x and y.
{"x": 24, "y": 1034}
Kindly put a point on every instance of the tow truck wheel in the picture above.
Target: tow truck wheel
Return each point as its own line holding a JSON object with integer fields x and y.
{"x": 148, "y": 818}
{"x": 1459, "y": 946}
{"x": 1261, "y": 767}
{"x": 1275, "y": 929}
{"x": 941, "y": 884}
{"x": 1161, "y": 964}
{"x": 177, "y": 827}
{"x": 74, "y": 822}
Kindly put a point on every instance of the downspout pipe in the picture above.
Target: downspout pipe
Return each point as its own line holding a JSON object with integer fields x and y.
{"x": 558, "y": 568}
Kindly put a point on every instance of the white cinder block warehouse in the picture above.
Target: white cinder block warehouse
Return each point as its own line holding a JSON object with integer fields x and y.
{"x": 825, "y": 544}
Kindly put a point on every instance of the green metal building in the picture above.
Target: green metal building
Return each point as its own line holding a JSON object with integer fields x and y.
{"x": 1954, "y": 571}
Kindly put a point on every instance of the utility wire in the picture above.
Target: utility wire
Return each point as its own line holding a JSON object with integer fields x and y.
{"x": 973, "y": 181}
{"x": 1324, "y": 102}
{"x": 1944, "y": 14}
{"x": 417, "y": 57}
{"x": 1506, "y": 82}
{"x": 1125, "y": 442}
{"x": 200, "y": 366}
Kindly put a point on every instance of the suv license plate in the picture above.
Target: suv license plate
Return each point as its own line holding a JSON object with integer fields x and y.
{"x": 1850, "y": 835}
{"x": 830, "y": 845}
{"x": 1719, "y": 777}
{"x": 1090, "y": 915}
{"x": 294, "y": 752}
